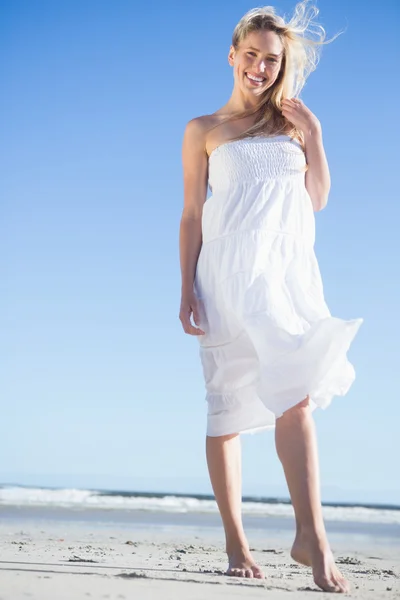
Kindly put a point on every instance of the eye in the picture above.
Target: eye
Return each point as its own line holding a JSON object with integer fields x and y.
{"x": 252, "y": 53}
{"x": 273, "y": 60}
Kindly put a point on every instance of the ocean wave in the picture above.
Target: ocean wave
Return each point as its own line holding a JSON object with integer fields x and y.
{"x": 90, "y": 499}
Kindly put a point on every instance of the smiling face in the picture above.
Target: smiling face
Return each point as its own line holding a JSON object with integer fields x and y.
{"x": 256, "y": 62}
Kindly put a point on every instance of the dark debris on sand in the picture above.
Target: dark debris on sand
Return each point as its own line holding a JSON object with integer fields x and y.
{"x": 79, "y": 559}
{"x": 347, "y": 560}
{"x": 133, "y": 575}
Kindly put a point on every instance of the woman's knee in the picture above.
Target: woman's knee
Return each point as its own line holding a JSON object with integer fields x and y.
{"x": 221, "y": 438}
{"x": 297, "y": 411}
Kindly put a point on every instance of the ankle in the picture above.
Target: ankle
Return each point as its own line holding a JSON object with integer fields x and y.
{"x": 237, "y": 544}
{"x": 313, "y": 533}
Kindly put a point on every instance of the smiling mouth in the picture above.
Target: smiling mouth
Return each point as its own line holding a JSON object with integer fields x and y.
{"x": 255, "y": 80}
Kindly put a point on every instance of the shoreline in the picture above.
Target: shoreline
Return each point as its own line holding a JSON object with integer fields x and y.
{"x": 265, "y": 526}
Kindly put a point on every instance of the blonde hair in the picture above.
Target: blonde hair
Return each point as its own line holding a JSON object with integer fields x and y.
{"x": 302, "y": 39}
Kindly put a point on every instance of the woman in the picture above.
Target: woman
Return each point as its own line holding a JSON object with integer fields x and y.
{"x": 271, "y": 352}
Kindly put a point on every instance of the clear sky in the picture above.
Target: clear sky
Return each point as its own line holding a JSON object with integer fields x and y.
{"x": 99, "y": 385}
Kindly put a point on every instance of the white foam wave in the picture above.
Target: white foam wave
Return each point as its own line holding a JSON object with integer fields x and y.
{"x": 87, "y": 499}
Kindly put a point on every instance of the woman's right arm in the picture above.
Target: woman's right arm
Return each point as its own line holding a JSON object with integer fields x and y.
{"x": 195, "y": 174}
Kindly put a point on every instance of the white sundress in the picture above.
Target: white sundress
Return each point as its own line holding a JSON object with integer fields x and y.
{"x": 270, "y": 340}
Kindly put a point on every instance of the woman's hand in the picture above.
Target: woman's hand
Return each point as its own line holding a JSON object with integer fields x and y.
{"x": 189, "y": 305}
{"x": 295, "y": 111}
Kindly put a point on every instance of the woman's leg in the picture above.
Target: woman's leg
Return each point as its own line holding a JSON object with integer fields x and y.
{"x": 296, "y": 446}
{"x": 224, "y": 465}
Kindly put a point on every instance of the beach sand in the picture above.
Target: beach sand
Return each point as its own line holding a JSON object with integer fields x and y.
{"x": 60, "y": 561}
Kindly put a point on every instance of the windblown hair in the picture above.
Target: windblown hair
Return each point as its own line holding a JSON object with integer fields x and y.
{"x": 302, "y": 39}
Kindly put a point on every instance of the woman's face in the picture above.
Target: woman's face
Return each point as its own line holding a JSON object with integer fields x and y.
{"x": 257, "y": 62}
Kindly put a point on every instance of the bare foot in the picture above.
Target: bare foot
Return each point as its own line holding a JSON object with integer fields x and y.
{"x": 316, "y": 553}
{"x": 241, "y": 564}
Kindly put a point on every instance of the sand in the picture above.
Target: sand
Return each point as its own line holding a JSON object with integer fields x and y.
{"x": 60, "y": 561}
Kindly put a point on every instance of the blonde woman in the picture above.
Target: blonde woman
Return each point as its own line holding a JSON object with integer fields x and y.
{"x": 271, "y": 351}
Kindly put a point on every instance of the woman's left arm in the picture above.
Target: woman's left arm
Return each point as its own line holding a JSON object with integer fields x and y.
{"x": 317, "y": 179}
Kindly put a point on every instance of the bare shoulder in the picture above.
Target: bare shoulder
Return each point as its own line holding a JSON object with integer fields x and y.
{"x": 196, "y": 130}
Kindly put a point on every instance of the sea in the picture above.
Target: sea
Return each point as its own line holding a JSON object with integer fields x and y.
{"x": 149, "y": 510}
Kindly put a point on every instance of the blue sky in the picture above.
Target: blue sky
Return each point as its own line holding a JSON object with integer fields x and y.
{"x": 99, "y": 385}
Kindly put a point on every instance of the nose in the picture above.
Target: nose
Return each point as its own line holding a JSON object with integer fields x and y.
{"x": 262, "y": 66}
{"x": 259, "y": 66}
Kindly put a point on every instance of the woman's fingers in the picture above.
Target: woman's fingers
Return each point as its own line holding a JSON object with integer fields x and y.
{"x": 196, "y": 315}
{"x": 193, "y": 330}
{"x": 196, "y": 319}
{"x": 291, "y": 103}
{"x": 184, "y": 317}
{"x": 196, "y": 312}
{"x": 287, "y": 108}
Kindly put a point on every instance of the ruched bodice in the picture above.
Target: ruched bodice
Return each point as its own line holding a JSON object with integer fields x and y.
{"x": 255, "y": 158}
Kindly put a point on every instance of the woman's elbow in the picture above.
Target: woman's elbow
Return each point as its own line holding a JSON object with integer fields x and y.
{"x": 319, "y": 197}
{"x": 319, "y": 203}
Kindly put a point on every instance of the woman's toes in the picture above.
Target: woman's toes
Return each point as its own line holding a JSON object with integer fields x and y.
{"x": 339, "y": 581}
{"x": 241, "y": 564}
{"x": 344, "y": 585}
{"x": 327, "y": 585}
{"x": 257, "y": 573}
{"x": 336, "y": 586}
{"x": 235, "y": 572}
